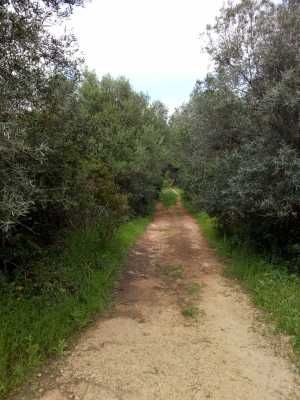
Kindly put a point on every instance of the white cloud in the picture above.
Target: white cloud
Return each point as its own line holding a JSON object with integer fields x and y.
{"x": 156, "y": 44}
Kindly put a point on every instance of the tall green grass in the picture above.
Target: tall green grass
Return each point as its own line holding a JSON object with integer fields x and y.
{"x": 41, "y": 309}
{"x": 168, "y": 197}
{"x": 271, "y": 286}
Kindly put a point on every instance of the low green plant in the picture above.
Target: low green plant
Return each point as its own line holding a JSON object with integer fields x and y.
{"x": 40, "y": 310}
{"x": 193, "y": 289}
{"x": 190, "y": 312}
{"x": 168, "y": 197}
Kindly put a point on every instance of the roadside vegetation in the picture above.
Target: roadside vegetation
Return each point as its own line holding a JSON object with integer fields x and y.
{"x": 168, "y": 197}
{"x": 75, "y": 149}
{"x": 237, "y": 152}
{"x": 272, "y": 287}
{"x": 236, "y": 142}
{"x": 84, "y": 159}
{"x": 82, "y": 164}
{"x": 41, "y": 307}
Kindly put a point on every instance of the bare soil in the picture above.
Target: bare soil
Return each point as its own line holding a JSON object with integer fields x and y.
{"x": 179, "y": 330}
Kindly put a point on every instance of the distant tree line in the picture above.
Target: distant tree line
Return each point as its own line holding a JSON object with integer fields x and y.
{"x": 75, "y": 150}
{"x": 237, "y": 141}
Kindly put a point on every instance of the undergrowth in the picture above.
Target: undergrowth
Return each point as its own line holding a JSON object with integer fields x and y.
{"x": 168, "y": 197}
{"x": 41, "y": 309}
{"x": 272, "y": 287}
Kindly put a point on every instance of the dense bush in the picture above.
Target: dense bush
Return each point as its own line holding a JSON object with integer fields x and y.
{"x": 237, "y": 140}
{"x": 74, "y": 150}
{"x": 127, "y": 133}
{"x": 255, "y": 192}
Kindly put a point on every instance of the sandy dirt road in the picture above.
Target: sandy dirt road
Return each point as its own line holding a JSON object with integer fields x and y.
{"x": 147, "y": 349}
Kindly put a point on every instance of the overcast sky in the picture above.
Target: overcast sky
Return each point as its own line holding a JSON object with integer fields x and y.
{"x": 156, "y": 44}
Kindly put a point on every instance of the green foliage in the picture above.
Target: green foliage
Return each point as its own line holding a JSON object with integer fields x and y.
{"x": 190, "y": 312}
{"x": 272, "y": 287}
{"x": 99, "y": 199}
{"x": 168, "y": 196}
{"x": 237, "y": 140}
{"x": 127, "y": 133}
{"x": 37, "y": 142}
{"x": 79, "y": 151}
{"x": 41, "y": 308}
{"x": 77, "y": 154}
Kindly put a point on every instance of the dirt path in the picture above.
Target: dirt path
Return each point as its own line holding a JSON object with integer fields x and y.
{"x": 147, "y": 348}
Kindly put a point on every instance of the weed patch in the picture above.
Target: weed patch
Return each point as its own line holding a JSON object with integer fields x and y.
{"x": 193, "y": 289}
{"x": 190, "y": 312}
{"x": 39, "y": 311}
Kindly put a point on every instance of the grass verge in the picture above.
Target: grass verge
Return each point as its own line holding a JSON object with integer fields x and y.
{"x": 40, "y": 310}
{"x": 168, "y": 197}
{"x": 272, "y": 287}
